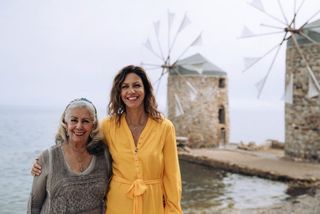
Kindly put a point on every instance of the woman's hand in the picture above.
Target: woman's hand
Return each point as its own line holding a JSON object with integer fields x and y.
{"x": 36, "y": 168}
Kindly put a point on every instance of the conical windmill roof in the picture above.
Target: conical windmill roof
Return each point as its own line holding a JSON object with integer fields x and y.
{"x": 312, "y": 30}
{"x": 313, "y": 26}
{"x": 196, "y": 65}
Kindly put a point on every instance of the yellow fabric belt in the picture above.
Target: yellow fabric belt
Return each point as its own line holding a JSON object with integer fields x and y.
{"x": 136, "y": 190}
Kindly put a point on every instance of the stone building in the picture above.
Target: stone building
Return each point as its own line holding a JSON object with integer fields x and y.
{"x": 302, "y": 116}
{"x": 198, "y": 102}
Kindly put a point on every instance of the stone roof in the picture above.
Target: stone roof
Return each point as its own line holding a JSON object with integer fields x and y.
{"x": 196, "y": 65}
{"x": 313, "y": 26}
{"x": 312, "y": 30}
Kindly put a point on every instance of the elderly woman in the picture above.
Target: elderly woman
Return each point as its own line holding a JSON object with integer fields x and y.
{"x": 76, "y": 171}
{"x": 146, "y": 174}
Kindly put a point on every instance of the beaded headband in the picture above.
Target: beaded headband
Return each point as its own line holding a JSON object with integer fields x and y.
{"x": 82, "y": 99}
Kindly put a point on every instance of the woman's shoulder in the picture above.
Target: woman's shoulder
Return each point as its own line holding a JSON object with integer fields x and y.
{"x": 50, "y": 149}
{"x": 45, "y": 154}
{"x": 164, "y": 122}
{"x": 105, "y": 122}
{"x": 108, "y": 119}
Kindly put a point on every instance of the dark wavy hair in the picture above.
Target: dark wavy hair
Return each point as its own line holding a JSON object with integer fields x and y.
{"x": 116, "y": 106}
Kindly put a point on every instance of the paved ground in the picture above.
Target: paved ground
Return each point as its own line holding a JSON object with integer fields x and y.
{"x": 269, "y": 163}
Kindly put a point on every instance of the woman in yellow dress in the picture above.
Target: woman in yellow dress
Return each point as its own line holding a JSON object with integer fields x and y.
{"x": 146, "y": 174}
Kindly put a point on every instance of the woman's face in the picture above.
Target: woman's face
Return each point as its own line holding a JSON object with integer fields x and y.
{"x": 132, "y": 91}
{"x": 79, "y": 125}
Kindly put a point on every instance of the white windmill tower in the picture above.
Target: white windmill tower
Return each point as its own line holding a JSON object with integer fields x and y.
{"x": 302, "y": 88}
{"x": 192, "y": 87}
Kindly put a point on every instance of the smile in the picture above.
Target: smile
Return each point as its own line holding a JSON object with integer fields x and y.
{"x": 132, "y": 98}
{"x": 79, "y": 133}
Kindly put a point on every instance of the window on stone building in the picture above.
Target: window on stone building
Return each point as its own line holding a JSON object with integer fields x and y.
{"x": 222, "y": 83}
{"x": 221, "y": 115}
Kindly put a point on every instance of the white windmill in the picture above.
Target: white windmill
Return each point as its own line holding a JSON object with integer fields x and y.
{"x": 167, "y": 59}
{"x": 302, "y": 88}
{"x": 190, "y": 84}
{"x": 289, "y": 30}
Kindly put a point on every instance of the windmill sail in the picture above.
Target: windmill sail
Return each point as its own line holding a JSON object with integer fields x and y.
{"x": 169, "y": 65}
{"x": 255, "y": 60}
{"x": 257, "y": 4}
{"x": 246, "y": 32}
{"x": 312, "y": 89}
{"x": 178, "y": 106}
{"x": 197, "y": 41}
{"x": 185, "y": 22}
{"x": 310, "y": 72}
{"x": 260, "y": 84}
{"x": 192, "y": 91}
{"x": 156, "y": 26}
{"x": 156, "y": 29}
{"x": 250, "y": 61}
{"x": 170, "y": 22}
{"x": 148, "y": 45}
{"x": 288, "y": 96}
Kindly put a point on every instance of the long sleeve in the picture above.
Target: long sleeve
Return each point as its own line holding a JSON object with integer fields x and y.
{"x": 172, "y": 177}
{"x": 38, "y": 192}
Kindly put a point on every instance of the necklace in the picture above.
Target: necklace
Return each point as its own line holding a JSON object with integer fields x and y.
{"x": 83, "y": 162}
{"x": 138, "y": 126}
{"x": 77, "y": 160}
{"x": 81, "y": 169}
{"x": 80, "y": 163}
{"x": 135, "y": 127}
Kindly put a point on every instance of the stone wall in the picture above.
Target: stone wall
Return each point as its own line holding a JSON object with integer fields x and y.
{"x": 200, "y": 121}
{"x": 302, "y": 117}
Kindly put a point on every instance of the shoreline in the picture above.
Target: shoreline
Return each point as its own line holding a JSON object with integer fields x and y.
{"x": 303, "y": 178}
{"x": 268, "y": 163}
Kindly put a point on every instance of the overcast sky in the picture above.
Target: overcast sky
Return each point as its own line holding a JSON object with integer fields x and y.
{"x": 52, "y": 51}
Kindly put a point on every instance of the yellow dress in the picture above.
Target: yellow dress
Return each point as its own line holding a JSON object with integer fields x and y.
{"x": 146, "y": 179}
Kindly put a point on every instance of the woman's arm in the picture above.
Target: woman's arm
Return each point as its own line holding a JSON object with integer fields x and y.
{"x": 38, "y": 192}
{"x": 171, "y": 177}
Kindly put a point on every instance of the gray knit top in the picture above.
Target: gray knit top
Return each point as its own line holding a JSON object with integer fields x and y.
{"x": 60, "y": 190}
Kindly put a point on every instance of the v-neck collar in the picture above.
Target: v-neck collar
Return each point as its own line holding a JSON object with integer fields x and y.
{"x": 144, "y": 130}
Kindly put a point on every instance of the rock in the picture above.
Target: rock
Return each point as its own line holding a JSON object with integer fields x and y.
{"x": 182, "y": 141}
{"x": 251, "y": 146}
{"x": 275, "y": 144}
{"x": 196, "y": 140}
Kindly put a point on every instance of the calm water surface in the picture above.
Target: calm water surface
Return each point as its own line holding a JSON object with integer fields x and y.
{"x": 206, "y": 190}
{"x": 25, "y": 131}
